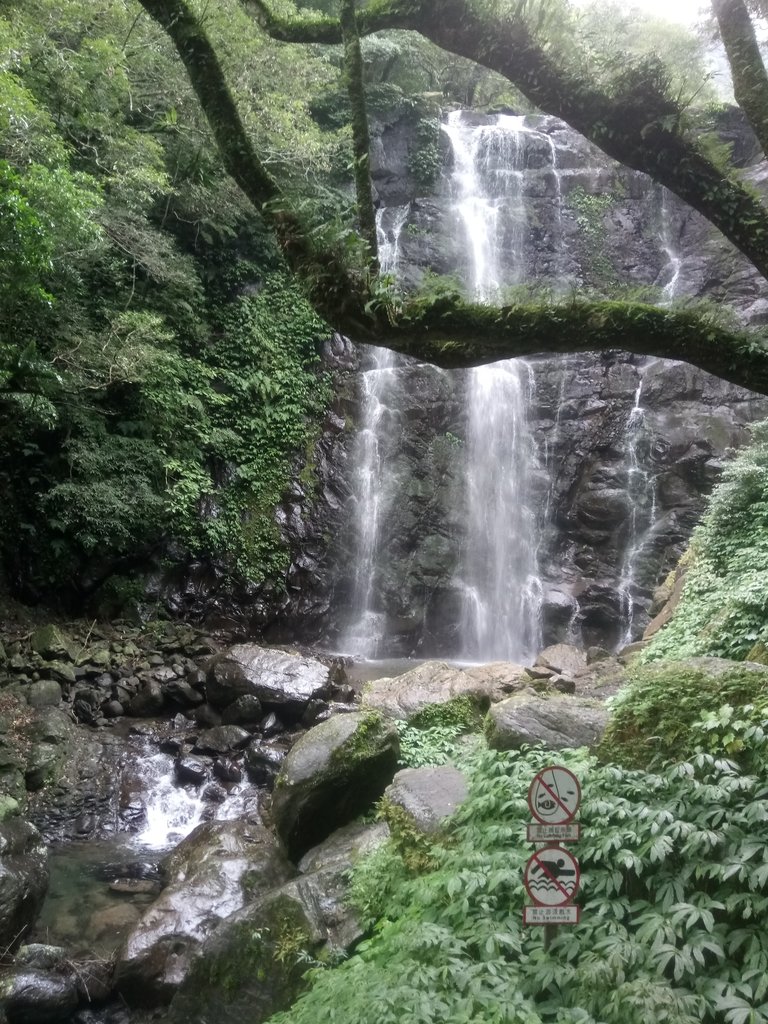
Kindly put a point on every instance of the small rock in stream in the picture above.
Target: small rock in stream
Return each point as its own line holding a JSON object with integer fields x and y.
{"x": 191, "y": 769}
{"x": 31, "y": 996}
{"x": 135, "y": 886}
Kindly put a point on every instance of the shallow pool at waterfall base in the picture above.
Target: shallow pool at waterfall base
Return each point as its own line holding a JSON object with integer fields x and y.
{"x": 82, "y": 912}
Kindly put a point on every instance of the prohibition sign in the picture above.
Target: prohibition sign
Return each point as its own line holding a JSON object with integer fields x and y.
{"x": 554, "y": 795}
{"x": 552, "y": 877}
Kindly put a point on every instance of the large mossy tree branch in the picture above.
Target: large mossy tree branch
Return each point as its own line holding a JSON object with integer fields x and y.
{"x": 453, "y": 334}
{"x": 750, "y": 81}
{"x": 361, "y": 139}
{"x": 640, "y": 127}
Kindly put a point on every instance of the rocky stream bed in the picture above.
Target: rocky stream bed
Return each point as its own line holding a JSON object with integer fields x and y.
{"x": 166, "y": 796}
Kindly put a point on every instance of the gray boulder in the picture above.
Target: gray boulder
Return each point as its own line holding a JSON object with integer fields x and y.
{"x": 428, "y": 795}
{"x": 253, "y": 964}
{"x": 23, "y": 879}
{"x": 52, "y": 643}
{"x": 222, "y": 738}
{"x": 436, "y": 682}
{"x": 281, "y": 681}
{"x": 45, "y": 693}
{"x": 556, "y": 722}
{"x": 211, "y": 875}
{"x": 563, "y": 658}
{"x": 31, "y": 996}
{"x": 334, "y": 772}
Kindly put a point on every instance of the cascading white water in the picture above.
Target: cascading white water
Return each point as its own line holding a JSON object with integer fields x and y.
{"x": 641, "y": 494}
{"x": 171, "y": 811}
{"x": 498, "y": 575}
{"x": 670, "y": 273}
{"x": 372, "y": 484}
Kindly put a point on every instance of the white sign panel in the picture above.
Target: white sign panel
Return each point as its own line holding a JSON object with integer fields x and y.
{"x": 551, "y": 915}
{"x": 570, "y": 833}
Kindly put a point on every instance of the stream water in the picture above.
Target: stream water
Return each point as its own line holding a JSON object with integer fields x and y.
{"x": 99, "y": 887}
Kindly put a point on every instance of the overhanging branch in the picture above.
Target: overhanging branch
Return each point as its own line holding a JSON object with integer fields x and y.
{"x": 454, "y": 334}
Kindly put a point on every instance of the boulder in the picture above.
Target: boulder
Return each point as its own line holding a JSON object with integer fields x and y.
{"x": 245, "y": 711}
{"x": 253, "y": 964}
{"x": 148, "y": 701}
{"x": 428, "y": 795}
{"x": 264, "y": 761}
{"x": 53, "y": 644}
{"x": 31, "y": 996}
{"x": 556, "y": 722}
{"x": 210, "y": 875}
{"x": 564, "y": 659}
{"x": 23, "y": 879}
{"x": 221, "y": 739}
{"x": 43, "y": 694}
{"x": 334, "y": 772}
{"x": 281, "y": 681}
{"x": 436, "y": 682}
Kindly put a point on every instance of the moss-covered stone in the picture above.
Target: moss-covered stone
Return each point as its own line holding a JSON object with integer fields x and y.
{"x": 335, "y": 772}
{"x": 52, "y": 643}
{"x": 251, "y": 967}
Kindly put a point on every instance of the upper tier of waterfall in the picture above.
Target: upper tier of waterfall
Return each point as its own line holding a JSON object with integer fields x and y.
{"x": 490, "y": 511}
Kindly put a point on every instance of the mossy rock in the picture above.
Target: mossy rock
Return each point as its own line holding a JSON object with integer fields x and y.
{"x": 653, "y": 717}
{"x": 53, "y": 644}
{"x": 252, "y": 966}
{"x": 758, "y": 654}
{"x": 334, "y": 773}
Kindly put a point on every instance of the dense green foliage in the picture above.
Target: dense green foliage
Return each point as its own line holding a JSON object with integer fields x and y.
{"x": 675, "y": 889}
{"x": 158, "y": 368}
{"x": 653, "y": 719}
{"x": 724, "y": 607}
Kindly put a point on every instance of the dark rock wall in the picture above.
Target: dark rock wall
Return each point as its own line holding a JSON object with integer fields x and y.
{"x": 590, "y": 224}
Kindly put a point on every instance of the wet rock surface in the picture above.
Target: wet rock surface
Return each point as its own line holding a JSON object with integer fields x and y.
{"x": 331, "y": 775}
{"x": 23, "y": 879}
{"x": 280, "y": 681}
{"x": 209, "y": 876}
{"x": 31, "y": 996}
{"x": 252, "y": 965}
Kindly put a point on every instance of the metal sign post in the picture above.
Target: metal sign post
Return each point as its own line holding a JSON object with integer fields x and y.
{"x": 552, "y": 875}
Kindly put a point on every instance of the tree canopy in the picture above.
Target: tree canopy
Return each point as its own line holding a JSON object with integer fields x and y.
{"x": 629, "y": 110}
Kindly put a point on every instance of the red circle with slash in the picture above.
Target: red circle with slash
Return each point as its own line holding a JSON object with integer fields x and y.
{"x": 552, "y": 877}
{"x": 554, "y": 795}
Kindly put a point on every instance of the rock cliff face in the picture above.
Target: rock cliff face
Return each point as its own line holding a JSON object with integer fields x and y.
{"x": 623, "y": 450}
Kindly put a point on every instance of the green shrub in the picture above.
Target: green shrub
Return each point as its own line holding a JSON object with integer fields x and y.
{"x": 652, "y": 719}
{"x": 674, "y": 897}
{"x": 724, "y": 607}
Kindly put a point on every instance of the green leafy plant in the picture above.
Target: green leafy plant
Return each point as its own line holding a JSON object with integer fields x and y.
{"x": 724, "y": 606}
{"x": 674, "y": 893}
{"x": 653, "y": 718}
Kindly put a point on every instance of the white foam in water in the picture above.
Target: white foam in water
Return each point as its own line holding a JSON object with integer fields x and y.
{"x": 172, "y": 811}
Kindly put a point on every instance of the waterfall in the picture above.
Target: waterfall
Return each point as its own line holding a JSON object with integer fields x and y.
{"x": 642, "y": 499}
{"x": 670, "y": 272}
{"x": 373, "y": 487}
{"x": 498, "y": 574}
